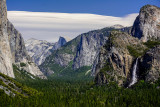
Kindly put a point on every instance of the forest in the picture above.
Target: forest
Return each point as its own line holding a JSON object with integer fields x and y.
{"x": 57, "y": 92}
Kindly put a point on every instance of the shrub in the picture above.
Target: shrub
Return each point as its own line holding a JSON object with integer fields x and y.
{"x": 30, "y": 63}
{"x": 151, "y": 44}
{"x": 11, "y": 85}
{"x": 107, "y": 67}
{"x": 22, "y": 64}
{"x": 134, "y": 51}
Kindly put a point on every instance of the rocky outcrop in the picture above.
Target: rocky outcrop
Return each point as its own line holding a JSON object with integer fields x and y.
{"x": 147, "y": 24}
{"x": 5, "y": 51}
{"x": 31, "y": 68}
{"x": 91, "y": 43}
{"x": 17, "y": 45}
{"x": 81, "y": 51}
{"x": 60, "y": 58}
{"x": 88, "y": 48}
{"x": 150, "y": 65}
{"x": 39, "y": 50}
{"x": 114, "y": 59}
{"x": 101, "y": 79}
{"x": 64, "y": 59}
{"x": 12, "y": 47}
{"x": 62, "y": 41}
{"x": 13, "y": 88}
{"x": 19, "y": 52}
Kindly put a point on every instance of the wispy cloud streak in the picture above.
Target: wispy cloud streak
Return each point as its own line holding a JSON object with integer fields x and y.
{"x": 49, "y": 26}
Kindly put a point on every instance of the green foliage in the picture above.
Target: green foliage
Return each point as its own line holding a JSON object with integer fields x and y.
{"x": 150, "y": 44}
{"x": 67, "y": 73}
{"x": 18, "y": 89}
{"x": 60, "y": 93}
{"x": 22, "y": 75}
{"x": 22, "y": 64}
{"x": 11, "y": 85}
{"x": 68, "y": 87}
{"x": 136, "y": 51}
{"x": 107, "y": 68}
{"x": 1, "y": 82}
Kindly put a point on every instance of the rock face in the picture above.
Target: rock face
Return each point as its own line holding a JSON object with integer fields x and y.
{"x": 17, "y": 45}
{"x": 88, "y": 49}
{"x": 79, "y": 52}
{"x": 62, "y": 41}
{"x": 5, "y": 51}
{"x": 64, "y": 59}
{"x": 40, "y": 49}
{"x": 91, "y": 43}
{"x": 147, "y": 24}
{"x": 60, "y": 58}
{"x": 32, "y": 68}
{"x": 150, "y": 65}
{"x": 114, "y": 61}
{"x": 101, "y": 79}
{"x": 19, "y": 52}
{"x": 12, "y": 47}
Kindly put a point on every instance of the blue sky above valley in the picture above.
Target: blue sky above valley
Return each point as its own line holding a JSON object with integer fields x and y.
{"x": 49, "y": 19}
{"x": 116, "y": 8}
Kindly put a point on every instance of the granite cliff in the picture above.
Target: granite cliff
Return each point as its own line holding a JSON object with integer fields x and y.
{"x": 147, "y": 24}
{"x": 5, "y": 51}
{"x": 149, "y": 65}
{"x": 79, "y": 52}
{"x": 40, "y": 49}
{"x": 13, "y": 50}
{"x": 116, "y": 60}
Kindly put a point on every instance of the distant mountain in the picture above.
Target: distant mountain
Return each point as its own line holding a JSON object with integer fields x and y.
{"x": 40, "y": 49}
{"x": 117, "y": 26}
{"x": 79, "y": 52}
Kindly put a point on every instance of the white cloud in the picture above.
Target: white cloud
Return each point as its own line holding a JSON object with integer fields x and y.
{"x": 49, "y": 26}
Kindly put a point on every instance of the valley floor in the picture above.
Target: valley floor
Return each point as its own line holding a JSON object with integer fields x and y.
{"x": 77, "y": 93}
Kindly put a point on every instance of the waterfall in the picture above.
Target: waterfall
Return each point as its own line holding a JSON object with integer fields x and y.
{"x": 134, "y": 74}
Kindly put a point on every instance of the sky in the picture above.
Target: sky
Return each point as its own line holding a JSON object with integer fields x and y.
{"x": 49, "y": 19}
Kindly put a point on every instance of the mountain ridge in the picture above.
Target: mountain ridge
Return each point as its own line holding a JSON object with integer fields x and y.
{"x": 40, "y": 49}
{"x": 76, "y": 50}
